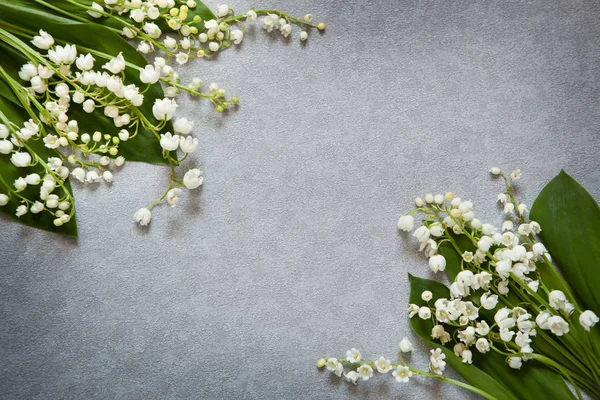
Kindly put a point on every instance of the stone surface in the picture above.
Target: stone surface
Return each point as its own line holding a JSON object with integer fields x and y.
{"x": 290, "y": 251}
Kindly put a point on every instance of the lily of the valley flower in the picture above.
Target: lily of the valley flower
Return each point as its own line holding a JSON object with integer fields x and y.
{"x": 164, "y": 109}
{"x": 402, "y": 373}
{"x": 143, "y": 216}
{"x": 64, "y": 55}
{"x": 515, "y": 362}
{"x": 489, "y": 301}
{"x": 188, "y": 144}
{"x": 169, "y": 142}
{"x": 21, "y": 159}
{"x": 353, "y": 355}
{"x": 437, "y": 362}
{"x": 97, "y": 7}
{"x": 149, "y": 74}
{"x": 237, "y": 36}
{"x": 183, "y": 126}
{"x": 43, "y": 41}
{"x": 173, "y": 196}
{"x": 6, "y": 146}
{"x": 437, "y": 263}
{"x": 365, "y": 372}
{"x": 383, "y": 365}
{"x": 406, "y": 223}
{"x": 21, "y": 210}
{"x": 558, "y": 301}
{"x": 193, "y": 178}
{"x": 406, "y": 346}
{"x": 588, "y": 319}
{"x": 352, "y": 376}
{"x": 222, "y": 10}
{"x": 422, "y": 234}
{"x": 85, "y": 62}
{"x": 558, "y": 325}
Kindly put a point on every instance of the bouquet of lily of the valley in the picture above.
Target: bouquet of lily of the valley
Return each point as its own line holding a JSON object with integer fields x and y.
{"x": 78, "y": 97}
{"x": 509, "y": 323}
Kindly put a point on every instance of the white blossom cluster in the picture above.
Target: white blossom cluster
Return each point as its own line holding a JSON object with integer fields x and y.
{"x": 59, "y": 203}
{"x": 63, "y": 79}
{"x": 362, "y": 369}
{"x": 497, "y": 302}
{"x": 139, "y": 19}
{"x": 499, "y": 261}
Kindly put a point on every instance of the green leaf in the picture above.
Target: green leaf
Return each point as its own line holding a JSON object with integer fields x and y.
{"x": 570, "y": 221}
{"x": 9, "y": 173}
{"x": 489, "y": 372}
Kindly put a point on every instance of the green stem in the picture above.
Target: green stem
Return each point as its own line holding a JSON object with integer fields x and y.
{"x": 124, "y": 23}
{"x": 551, "y": 363}
{"x": 430, "y": 375}
{"x": 68, "y": 14}
{"x": 575, "y": 353}
{"x": 455, "y": 382}
{"x": 297, "y": 21}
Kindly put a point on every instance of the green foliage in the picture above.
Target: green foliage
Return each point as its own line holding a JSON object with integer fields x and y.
{"x": 570, "y": 221}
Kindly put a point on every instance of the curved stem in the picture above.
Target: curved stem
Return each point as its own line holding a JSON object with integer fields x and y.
{"x": 298, "y": 21}
{"x": 455, "y": 382}
{"x": 429, "y": 375}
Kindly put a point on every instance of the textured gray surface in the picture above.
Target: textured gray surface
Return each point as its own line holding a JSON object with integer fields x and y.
{"x": 290, "y": 252}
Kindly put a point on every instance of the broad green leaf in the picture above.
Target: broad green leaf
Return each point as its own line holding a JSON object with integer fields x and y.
{"x": 489, "y": 372}
{"x": 9, "y": 173}
{"x": 570, "y": 221}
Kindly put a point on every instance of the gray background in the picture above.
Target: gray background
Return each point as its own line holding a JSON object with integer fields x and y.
{"x": 290, "y": 251}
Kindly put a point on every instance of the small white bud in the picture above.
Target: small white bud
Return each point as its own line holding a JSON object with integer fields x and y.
{"x": 426, "y": 295}
{"x": 123, "y": 135}
{"x": 108, "y": 176}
